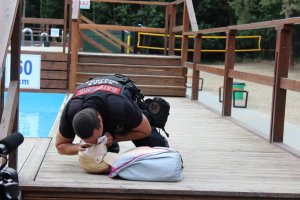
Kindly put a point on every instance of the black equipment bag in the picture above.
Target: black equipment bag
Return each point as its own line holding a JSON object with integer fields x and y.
{"x": 156, "y": 110}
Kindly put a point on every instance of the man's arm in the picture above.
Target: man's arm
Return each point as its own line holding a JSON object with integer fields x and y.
{"x": 142, "y": 131}
{"x": 65, "y": 146}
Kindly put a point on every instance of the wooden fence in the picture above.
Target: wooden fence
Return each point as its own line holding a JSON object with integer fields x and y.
{"x": 280, "y": 81}
{"x": 10, "y": 18}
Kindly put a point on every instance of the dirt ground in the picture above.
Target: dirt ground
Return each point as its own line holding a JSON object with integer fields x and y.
{"x": 260, "y": 96}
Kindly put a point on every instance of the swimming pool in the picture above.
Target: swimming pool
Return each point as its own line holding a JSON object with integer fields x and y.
{"x": 37, "y": 112}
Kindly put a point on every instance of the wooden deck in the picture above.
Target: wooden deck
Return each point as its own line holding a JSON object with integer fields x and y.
{"x": 221, "y": 161}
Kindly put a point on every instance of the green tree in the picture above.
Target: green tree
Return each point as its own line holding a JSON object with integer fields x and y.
{"x": 213, "y": 13}
{"x": 126, "y": 14}
{"x": 289, "y": 8}
{"x": 52, "y": 9}
{"x": 31, "y": 8}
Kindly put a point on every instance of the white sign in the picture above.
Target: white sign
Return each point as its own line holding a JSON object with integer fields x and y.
{"x": 30, "y": 71}
{"x": 85, "y": 4}
{"x": 54, "y": 32}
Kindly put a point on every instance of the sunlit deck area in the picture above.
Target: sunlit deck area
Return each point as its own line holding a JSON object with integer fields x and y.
{"x": 221, "y": 161}
{"x": 221, "y": 158}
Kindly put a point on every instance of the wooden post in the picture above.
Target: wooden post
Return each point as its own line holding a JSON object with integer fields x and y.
{"x": 229, "y": 64}
{"x": 282, "y": 61}
{"x": 192, "y": 16}
{"x": 64, "y": 38}
{"x": 185, "y": 41}
{"x": 75, "y": 40}
{"x": 196, "y": 60}
{"x": 15, "y": 75}
{"x": 184, "y": 50}
{"x": 81, "y": 41}
{"x": 166, "y": 29}
{"x": 172, "y": 24}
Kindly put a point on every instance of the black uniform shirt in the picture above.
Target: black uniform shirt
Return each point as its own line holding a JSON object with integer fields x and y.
{"x": 118, "y": 112}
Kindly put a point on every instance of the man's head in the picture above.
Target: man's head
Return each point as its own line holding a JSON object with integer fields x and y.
{"x": 88, "y": 125}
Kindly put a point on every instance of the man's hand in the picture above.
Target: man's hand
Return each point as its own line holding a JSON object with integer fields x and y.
{"x": 109, "y": 139}
{"x": 84, "y": 146}
{"x": 65, "y": 146}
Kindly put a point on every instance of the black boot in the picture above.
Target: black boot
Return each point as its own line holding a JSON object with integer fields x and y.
{"x": 154, "y": 140}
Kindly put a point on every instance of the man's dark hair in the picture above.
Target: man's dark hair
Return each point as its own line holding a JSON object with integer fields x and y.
{"x": 85, "y": 121}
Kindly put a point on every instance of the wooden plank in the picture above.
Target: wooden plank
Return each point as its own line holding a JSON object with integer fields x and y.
{"x": 192, "y": 16}
{"x": 8, "y": 13}
{"x": 282, "y": 61}
{"x": 134, "y": 2}
{"x": 75, "y": 10}
{"x": 266, "y": 24}
{"x": 177, "y": 2}
{"x": 53, "y": 84}
{"x": 53, "y": 56}
{"x": 188, "y": 65}
{"x": 139, "y": 79}
{"x": 177, "y": 29}
{"x": 251, "y": 26}
{"x": 173, "y": 91}
{"x": 229, "y": 65}
{"x": 167, "y": 14}
{"x": 214, "y": 168}
{"x": 129, "y": 59}
{"x": 49, "y": 56}
{"x": 255, "y": 78}
{"x": 66, "y": 23}
{"x": 15, "y": 79}
{"x": 45, "y": 21}
{"x": 289, "y": 84}
{"x": 29, "y": 170}
{"x": 210, "y": 69}
{"x": 63, "y": 75}
{"x": 171, "y": 33}
{"x": 185, "y": 28}
{"x": 75, "y": 42}
{"x": 120, "y": 28}
{"x": 16, "y": 48}
{"x": 195, "y": 72}
{"x": 25, "y": 149}
{"x": 52, "y": 65}
{"x": 129, "y": 69}
{"x": 46, "y": 90}
{"x": 10, "y": 109}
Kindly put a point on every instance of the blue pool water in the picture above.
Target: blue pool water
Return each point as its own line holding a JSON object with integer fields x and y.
{"x": 37, "y": 112}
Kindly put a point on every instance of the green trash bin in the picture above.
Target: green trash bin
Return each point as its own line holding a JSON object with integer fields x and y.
{"x": 239, "y": 86}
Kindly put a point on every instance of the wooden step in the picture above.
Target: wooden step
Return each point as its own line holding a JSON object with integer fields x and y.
{"x": 130, "y": 69}
{"x": 138, "y": 79}
{"x": 173, "y": 91}
{"x": 156, "y": 75}
{"x": 132, "y": 59}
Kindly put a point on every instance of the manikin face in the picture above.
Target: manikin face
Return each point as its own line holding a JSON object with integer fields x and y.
{"x": 97, "y": 133}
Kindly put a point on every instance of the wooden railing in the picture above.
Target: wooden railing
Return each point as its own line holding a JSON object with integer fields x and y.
{"x": 41, "y": 25}
{"x": 44, "y": 25}
{"x": 10, "y": 33}
{"x": 280, "y": 81}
